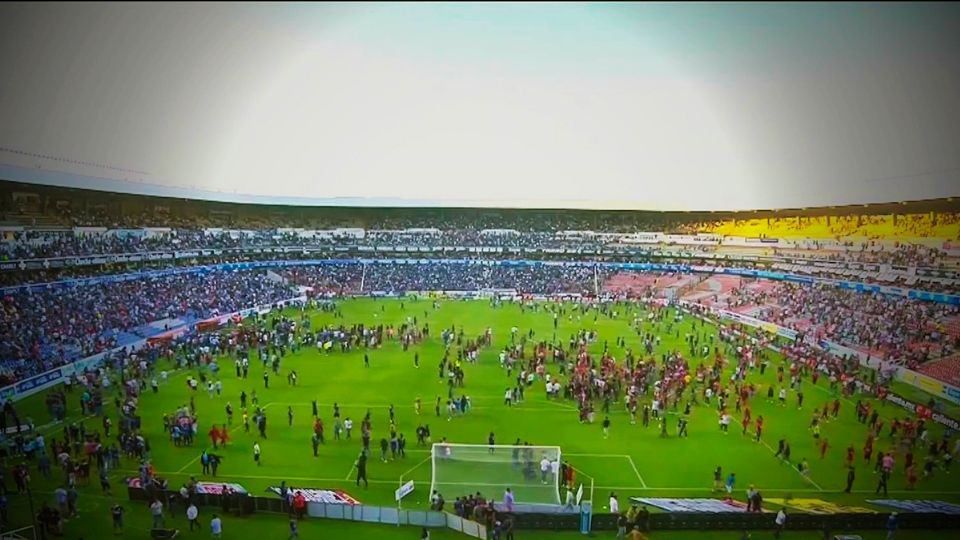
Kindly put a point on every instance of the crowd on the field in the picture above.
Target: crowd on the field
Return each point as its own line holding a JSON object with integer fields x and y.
{"x": 44, "y": 329}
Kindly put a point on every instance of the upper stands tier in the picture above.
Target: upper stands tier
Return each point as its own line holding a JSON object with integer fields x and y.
{"x": 43, "y": 206}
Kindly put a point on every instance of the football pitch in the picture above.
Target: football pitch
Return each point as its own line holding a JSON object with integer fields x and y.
{"x": 635, "y": 461}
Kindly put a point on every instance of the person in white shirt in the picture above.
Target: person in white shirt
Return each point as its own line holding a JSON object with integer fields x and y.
{"x": 614, "y": 504}
{"x": 544, "y": 468}
{"x": 192, "y": 514}
{"x": 781, "y": 520}
{"x": 156, "y": 509}
{"x": 256, "y": 453}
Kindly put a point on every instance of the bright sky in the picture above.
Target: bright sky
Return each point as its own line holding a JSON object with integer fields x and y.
{"x": 649, "y": 106}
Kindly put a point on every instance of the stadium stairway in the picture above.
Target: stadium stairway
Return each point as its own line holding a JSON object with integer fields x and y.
{"x": 946, "y": 369}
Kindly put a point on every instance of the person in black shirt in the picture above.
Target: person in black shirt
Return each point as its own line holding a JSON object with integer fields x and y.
{"x": 508, "y": 529}
{"x": 882, "y": 485}
{"x": 643, "y": 518}
{"x": 361, "y": 465}
{"x": 117, "y": 513}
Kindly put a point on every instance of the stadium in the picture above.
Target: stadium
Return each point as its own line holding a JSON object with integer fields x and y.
{"x": 450, "y": 271}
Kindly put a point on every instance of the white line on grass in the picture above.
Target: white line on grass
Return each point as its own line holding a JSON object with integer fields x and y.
{"x": 559, "y": 409}
{"x": 415, "y": 467}
{"x": 595, "y": 455}
{"x": 238, "y": 426}
{"x": 562, "y": 405}
{"x": 807, "y": 478}
{"x": 634, "y": 465}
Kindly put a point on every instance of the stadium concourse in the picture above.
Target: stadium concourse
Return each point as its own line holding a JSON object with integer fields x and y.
{"x": 648, "y": 327}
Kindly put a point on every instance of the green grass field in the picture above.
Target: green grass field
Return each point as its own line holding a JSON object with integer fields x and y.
{"x": 633, "y": 461}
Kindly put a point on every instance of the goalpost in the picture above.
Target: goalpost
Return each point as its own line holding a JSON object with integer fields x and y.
{"x": 530, "y": 472}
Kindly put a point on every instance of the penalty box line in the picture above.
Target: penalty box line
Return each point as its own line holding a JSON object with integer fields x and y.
{"x": 410, "y": 470}
{"x": 629, "y": 459}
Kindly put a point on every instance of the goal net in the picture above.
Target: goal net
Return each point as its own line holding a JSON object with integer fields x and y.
{"x": 530, "y": 472}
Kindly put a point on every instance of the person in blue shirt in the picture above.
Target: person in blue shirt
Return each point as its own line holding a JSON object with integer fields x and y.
{"x": 216, "y": 526}
{"x": 731, "y": 480}
{"x": 892, "y": 524}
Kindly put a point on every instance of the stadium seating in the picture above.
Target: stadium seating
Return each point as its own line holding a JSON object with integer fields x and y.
{"x": 46, "y": 328}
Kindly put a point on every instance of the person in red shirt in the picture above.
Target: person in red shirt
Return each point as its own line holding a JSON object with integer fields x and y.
{"x": 224, "y": 435}
{"x": 823, "y": 448}
{"x": 759, "y": 427}
{"x": 911, "y": 477}
{"x": 851, "y": 453}
{"x": 214, "y": 435}
{"x": 300, "y": 505}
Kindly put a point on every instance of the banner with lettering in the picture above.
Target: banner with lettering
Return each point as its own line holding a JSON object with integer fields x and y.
{"x": 919, "y": 506}
{"x": 329, "y": 496}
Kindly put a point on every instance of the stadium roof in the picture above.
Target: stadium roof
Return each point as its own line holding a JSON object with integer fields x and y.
{"x": 622, "y": 106}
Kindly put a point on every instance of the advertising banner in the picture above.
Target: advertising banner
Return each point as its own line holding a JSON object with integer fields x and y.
{"x": 923, "y": 411}
{"x": 817, "y": 506}
{"x": 213, "y": 488}
{"x": 701, "y": 506}
{"x": 329, "y": 496}
{"x": 920, "y": 507}
{"x": 207, "y": 488}
{"x": 929, "y": 385}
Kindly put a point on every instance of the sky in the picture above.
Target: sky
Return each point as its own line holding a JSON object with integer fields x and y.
{"x": 655, "y": 106}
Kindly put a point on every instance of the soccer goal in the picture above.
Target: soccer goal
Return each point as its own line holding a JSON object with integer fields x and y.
{"x": 530, "y": 472}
